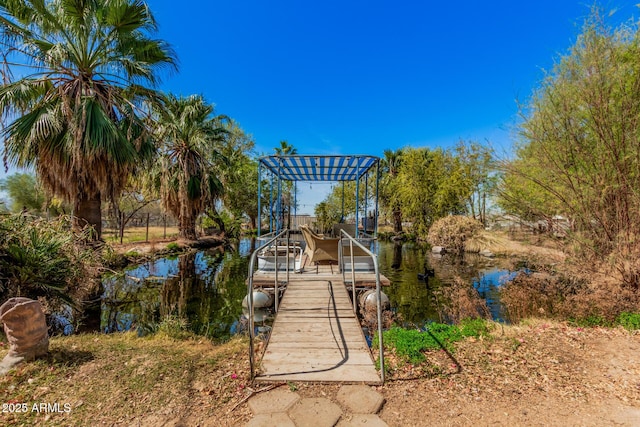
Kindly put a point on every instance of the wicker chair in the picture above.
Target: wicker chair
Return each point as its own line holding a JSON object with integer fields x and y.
{"x": 319, "y": 249}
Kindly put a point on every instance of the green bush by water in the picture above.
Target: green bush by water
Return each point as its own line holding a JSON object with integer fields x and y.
{"x": 590, "y": 321}
{"x": 412, "y": 343}
{"x": 174, "y": 327}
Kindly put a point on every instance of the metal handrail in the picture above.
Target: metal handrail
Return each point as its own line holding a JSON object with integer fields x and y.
{"x": 252, "y": 263}
{"x": 352, "y": 240}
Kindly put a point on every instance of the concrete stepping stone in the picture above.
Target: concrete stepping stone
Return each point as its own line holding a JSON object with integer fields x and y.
{"x": 315, "y": 412}
{"x": 277, "y": 400}
{"x": 278, "y": 419}
{"x": 359, "y": 420}
{"x": 360, "y": 399}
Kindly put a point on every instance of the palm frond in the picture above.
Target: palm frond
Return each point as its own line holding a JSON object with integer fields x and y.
{"x": 78, "y": 114}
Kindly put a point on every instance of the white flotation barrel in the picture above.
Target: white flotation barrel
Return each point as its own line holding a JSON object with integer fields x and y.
{"x": 261, "y": 299}
{"x": 368, "y": 300}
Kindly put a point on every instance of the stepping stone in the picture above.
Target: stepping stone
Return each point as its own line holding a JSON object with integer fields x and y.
{"x": 278, "y": 400}
{"x": 360, "y": 399}
{"x": 315, "y": 412}
{"x": 359, "y": 420}
{"x": 278, "y": 419}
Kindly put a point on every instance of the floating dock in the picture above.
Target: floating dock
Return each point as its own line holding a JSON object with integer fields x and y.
{"x": 316, "y": 335}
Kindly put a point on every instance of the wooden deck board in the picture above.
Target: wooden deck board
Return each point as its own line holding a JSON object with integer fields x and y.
{"x": 316, "y": 337}
{"x": 325, "y": 273}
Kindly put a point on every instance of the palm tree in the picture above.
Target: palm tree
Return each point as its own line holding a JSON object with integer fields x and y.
{"x": 286, "y": 149}
{"x": 188, "y": 131}
{"x": 83, "y": 70}
{"x": 391, "y": 165}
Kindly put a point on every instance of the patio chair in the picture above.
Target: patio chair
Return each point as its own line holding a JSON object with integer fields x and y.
{"x": 319, "y": 249}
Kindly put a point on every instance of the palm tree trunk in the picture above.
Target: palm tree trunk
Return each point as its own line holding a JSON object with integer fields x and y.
{"x": 188, "y": 227}
{"x": 88, "y": 212}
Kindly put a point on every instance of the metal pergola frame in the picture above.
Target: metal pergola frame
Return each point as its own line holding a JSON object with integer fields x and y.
{"x": 316, "y": 168}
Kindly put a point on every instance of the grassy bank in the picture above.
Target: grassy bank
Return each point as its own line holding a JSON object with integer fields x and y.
{"x": 120, "y": 378}
{"x": 139, "y": 234}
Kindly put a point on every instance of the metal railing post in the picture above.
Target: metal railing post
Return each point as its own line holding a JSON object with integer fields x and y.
{"x": 252, "y": 264}
{"x": 378, "y": 291}
{"x": 353, "y": 276}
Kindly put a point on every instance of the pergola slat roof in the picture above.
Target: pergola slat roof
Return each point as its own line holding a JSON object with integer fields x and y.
{"x": 319, "y": 168}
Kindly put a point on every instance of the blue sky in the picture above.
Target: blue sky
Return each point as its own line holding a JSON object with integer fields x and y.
{"x": 358, "y": 77}
{"x": 362, "y": 76}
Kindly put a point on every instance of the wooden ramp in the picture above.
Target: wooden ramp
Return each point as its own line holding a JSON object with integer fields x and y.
{"x": 316, "y": 337}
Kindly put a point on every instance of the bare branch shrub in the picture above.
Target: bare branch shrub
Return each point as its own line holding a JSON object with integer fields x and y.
{"x": 460, "y": 300}
{"x": 553, "y": 296}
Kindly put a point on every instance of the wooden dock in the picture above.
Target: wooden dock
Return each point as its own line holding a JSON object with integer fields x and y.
{"x": 316, "y": 336}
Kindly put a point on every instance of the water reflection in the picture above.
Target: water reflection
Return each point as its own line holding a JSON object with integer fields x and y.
{"x": 207, "y": 287}
{"x": 204, "y": 287}
{"x": 416, "y": 301}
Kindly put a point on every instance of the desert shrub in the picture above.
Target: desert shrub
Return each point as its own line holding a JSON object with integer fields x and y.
{"x": 460, "y": 300}
{"x": 452, "y": 232}
{"x": 40, "y": 260}
{"x": 625, "y": 263}
{"x": 562, "y": 298}
{"x": 531, "y": 295}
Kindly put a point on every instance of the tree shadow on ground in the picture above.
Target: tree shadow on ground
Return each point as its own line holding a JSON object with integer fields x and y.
{"x": 65, "y": 357}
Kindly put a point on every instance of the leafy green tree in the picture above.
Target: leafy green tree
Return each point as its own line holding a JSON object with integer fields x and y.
{"x": 286, "y": 149}
{"x": 76, "y": 74}
{"x": 340, "y": 203}
{"x": 431, "y": 184}
{"x": 521, "y": 193}
{"x": 580, "y": 153}
{"x": 477, "y": 163}
{"x": 24, "y": 191}
{"x": 389, "y": 184}
{"x": 188, "y": 132}
{"x": 240, "y": 174}
{"x": 326, "y": 216}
